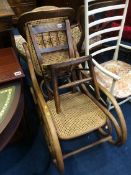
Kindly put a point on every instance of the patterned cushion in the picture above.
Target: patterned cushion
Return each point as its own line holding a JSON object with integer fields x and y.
{"x": 123, "y": 70}
{"x": 76, "y": 33}
{"x": 19, "y": 40}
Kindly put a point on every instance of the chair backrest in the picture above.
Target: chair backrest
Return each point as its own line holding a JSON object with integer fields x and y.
{"x": 50, "y": 41}
{"x": 44, "y": 12}
{"x": 54, "y": 52}
{"x": 99, "y": 10}
{"x": 48, "y": 35}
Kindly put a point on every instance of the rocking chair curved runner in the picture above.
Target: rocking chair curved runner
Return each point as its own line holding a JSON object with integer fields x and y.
{"x": 52, "y": 55}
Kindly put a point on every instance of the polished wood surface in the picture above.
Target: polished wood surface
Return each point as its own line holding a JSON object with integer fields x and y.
{"x": 10, "y": 68}
{"x": 6, "y": 14}
{"x": 21, "y": 6}
{"x": 5, "y": 9}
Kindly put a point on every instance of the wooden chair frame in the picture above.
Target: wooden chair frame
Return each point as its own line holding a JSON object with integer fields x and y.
{"x": 50, "y": 130}
{"x": 49, "y": 127}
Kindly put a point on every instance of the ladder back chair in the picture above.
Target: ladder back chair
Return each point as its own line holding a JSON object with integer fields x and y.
{"x": 113, "y": 74}
{"x": 52, "y": 55}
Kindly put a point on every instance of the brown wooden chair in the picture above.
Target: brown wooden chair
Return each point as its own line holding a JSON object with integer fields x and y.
{"x": 52, "y": 55}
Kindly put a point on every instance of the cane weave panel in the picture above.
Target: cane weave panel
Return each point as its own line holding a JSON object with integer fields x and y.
{"x": 79, "y": 115}
{"x": 122, "y": 87}
{"x": 47, "y": 40}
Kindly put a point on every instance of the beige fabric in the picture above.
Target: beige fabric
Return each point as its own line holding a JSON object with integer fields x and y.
{"x": 45, "y": 8}
{"x": 76, "y": 34}
{"x": 123, "y": 70}
{"x": 19, "y": 40}
{"x": 79, "y": 115}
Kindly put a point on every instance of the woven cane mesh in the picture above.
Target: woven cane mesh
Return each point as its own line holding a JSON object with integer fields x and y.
{"x": 79, "y": 115}
{"x": 122, "y": 87}
{"x": 76, "y": 34}
{"x": 47, "y": 40}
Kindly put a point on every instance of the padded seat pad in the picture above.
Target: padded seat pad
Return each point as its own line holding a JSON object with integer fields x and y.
{"x": 79, "y": 115}
{"x": 122, "y": 87}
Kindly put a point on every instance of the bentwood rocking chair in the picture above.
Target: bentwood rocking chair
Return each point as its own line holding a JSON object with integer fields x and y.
{"x": 52, "y": 55}
{"x": 113, "y": 74}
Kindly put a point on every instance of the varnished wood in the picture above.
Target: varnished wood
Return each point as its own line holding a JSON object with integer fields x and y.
{"x": 6, "y": 14}
{"x": 51, "y": 132}
{"x": 51, "y": 27}
{"x": 9, "y": 65}
{"x": 52, "y": 49}
{"x": 5, "y": 9}
{"x": 70, "y": 40}
{"x": 108, "y": 138}
{"x": 21, "y": 6}
{"x": 37, "y": 15}
{"x": 56, "y": 93}
{"x": 74, "y": 83}
{"x": 65, "y": 69}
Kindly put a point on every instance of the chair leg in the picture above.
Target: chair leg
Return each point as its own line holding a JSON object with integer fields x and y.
{"x": 56, "y": 93}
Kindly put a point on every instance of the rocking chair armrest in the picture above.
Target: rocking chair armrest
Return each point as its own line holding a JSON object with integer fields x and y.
{"x": 105, "y": 71}
{"x": 70, "y": 62}
{"x": 46, "y": 115}
{"x": 32, "y": 73}
{"x": 33, "y": 77}
{"x": 118, "y": 111}
{"x": 126, "y": 46}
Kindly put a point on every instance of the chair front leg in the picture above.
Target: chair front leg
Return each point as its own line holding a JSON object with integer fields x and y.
{"x": 55, "y": 89}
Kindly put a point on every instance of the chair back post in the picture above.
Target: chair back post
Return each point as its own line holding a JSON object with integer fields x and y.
{"x": 97, "y": 9}
{"x": 69, "y": 39}
{"x": 55, "y": 89}
{"x": 86, "y": 28}
{"x": 92, "y": 72}
{"x": 121, "y": 30}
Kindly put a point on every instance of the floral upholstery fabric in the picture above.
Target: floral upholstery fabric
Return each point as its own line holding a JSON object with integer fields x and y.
{"x": 19, "y": 40}
{"x": 122, "y": 87}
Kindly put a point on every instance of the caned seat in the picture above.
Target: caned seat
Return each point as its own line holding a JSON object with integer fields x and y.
{"x": 122, "y": 87}
{"x": 77, "y": 116}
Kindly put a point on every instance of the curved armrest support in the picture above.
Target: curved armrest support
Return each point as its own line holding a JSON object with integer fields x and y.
{"x": 118, "y": 111}
{"x": 105, "y": 71}
{"x": 126, "y": 46}
{"x": 46, "y": 115}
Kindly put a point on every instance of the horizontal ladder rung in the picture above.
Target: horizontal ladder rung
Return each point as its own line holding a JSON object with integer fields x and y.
{"x": 104, "y": 9}
{"x": 53, "y": 49}
{"x": 103, "y": 20}
{"x": 108, "y": 138}
{"x": 48, "y": 28}
{"x": 75, "y": 83}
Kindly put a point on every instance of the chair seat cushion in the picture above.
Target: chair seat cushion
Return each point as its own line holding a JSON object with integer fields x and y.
{"x": 122, "y": 87}
{"x": 19, "y": 40}
{"x": 79, "y": 115}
